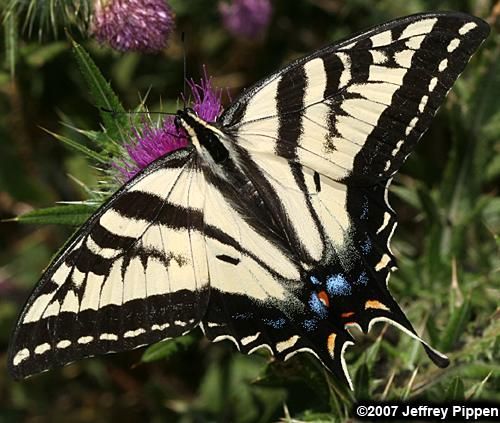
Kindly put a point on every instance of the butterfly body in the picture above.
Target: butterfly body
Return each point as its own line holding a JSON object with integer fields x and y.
{"x": 272, "y": 228}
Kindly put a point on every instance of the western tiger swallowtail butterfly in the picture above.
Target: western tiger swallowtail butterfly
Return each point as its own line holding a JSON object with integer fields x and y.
{"x": 272, "y": 227}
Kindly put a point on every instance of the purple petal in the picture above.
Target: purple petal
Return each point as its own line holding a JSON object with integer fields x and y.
{"x": 149, "y": 143}
{"x": 132, "y": 25}
{"x": 246, "y": 18}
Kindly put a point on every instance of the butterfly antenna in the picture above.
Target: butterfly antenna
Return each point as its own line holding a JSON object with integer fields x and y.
{"x": 115, "y": 112}
{"x": 184, "y": 64}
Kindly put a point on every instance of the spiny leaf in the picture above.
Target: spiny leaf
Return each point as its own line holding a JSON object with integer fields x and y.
{"x": 104, "y": 98}
{"x": 79, "y": 147}
{"x": 94, "y": 136}
{"x": 72, "y": 214}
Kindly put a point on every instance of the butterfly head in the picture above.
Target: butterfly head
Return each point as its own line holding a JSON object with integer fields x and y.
{"x": 184, "y": 118}
{"x": 205, "y": 136}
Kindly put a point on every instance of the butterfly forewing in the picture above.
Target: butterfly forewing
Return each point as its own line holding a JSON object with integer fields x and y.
{"x": 139, "y": 270}
{"x": 134, "y": 274}
{"x": 367, "y": 99}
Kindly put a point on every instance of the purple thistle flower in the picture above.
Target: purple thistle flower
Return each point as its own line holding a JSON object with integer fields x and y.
{"x": 246, "y": 18}
{"x": 206, "y": 102}
{"x": 152, "y": 142}
{"x": 132, "y": 25}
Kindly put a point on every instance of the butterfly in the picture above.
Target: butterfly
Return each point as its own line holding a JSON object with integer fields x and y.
{"x": 272, "y": 227}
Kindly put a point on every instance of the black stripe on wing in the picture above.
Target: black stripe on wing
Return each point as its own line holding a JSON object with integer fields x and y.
{"x": 69, "y": 336}
{"x": 381, "y": 88}
{"x": 289, "y": 103}
{"x": 430, "y": 75}
{"x": 350, "y": 113}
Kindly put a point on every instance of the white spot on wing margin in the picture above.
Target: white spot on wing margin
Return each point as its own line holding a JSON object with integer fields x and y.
{"x": 289, "y": 343}
{"x": 228, "y": 337}
{"x": 85, "y": 339}
{"x": 21, "y": 356}
{"x": 42, "y": 348}
{"x": 64, "y": 343}
{"x": 249, "y": 339}
{"x": 108, "y": 337}
{"x": 134, "y": 333}
{"x": 466, "y": 28}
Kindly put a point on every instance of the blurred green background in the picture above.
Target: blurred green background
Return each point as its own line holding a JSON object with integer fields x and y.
{"x": 447, "y": 242}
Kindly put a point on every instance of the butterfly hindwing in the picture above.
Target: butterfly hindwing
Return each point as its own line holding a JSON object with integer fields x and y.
{"x": 327, "y": 133}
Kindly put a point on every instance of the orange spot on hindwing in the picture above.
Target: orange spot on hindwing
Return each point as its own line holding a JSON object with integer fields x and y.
{"x": 331, "y": 343}
{"x": 376, "y": 304}
{"x": 323, "y": 297}
{"x": 346, "y": 315}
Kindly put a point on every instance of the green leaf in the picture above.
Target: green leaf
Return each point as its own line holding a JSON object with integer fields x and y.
{"x": 79, "y": 147}
{"x": 456, "y": 390}
{"x": 70, "y": 214}
{"x": 493, "y": 168}
{"x": 11, "y": 41}
{"x": 491, "y": 212}
{"x": 115, "y": 124}
{"x": 229, "y": 393}
{"x": 45, "y": 53}
{"x": 407, "y": 194}
{"x": 311, "y": 416}
{"x": 362, "y": 383}
{"x": 429, "y": 206}
{"x": 456, "y": 326}
{"x": 478, "y": 370}
{"x": 484, "y": 102}
{"x": 165, "y": 349}
{"x": 475, "y": 392}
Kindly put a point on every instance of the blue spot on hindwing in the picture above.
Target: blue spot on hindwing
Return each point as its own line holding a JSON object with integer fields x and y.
{"x": 275, "y": 323}
{"x": 315, "y": 280}
{"x": 362, "y": 279}
{"x": 366, "y": 247}
{"x": 310, "y": 324}
{"x": 317, "y": 306}
{"x": 337, "y": 285}
{"x": 364, "y": 209}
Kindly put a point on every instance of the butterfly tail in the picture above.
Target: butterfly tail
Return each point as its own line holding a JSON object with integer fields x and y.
{"x": 386, "y": 309}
